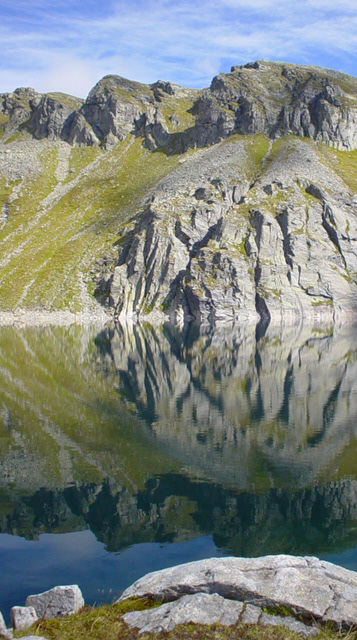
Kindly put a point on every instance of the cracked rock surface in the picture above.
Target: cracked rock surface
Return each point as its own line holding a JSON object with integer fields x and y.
{"x": 56, "y": 602}
{"x": 204, "y": 608}
{"x": 221, "y": 241}
{"x": 314, "y": 589}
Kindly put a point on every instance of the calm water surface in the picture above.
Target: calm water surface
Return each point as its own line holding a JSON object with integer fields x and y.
{"x": 125, "y": 450}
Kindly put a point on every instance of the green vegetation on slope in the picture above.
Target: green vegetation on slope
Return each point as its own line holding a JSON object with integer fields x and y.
{"x": 63, "y": 220}
{"x": 48, "y": 248}
{"x": 69, "y": 101}
{"x": 79, "y": 159}
{"x": 344, "y": 163}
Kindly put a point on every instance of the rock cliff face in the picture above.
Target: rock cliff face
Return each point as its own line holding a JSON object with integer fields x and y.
{"x": 256, "y": 217}
{"x": 222, "y": 239}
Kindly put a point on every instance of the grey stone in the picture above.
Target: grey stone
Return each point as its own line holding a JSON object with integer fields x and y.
{"x": 316, "y": 589}
{"x": 23, "y": 617}
{"x": 201, "y": 608}
{"x": 251, "y": 614}
{"x": 4, "y": 632}
{"x": 289, "y": 622}
{"x": 274, "y": 98}
{"x": 33, "y": 638}
{"x": 229, "y": 254}
{"x": 57, "y": 602}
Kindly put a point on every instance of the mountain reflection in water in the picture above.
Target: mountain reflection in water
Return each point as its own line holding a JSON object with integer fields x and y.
{"x": 147, "y": 435}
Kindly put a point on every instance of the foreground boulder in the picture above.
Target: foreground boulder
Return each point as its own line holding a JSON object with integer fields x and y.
{"x": 204, "y": 608}
{"x": 4, "y": 632}
{"x": 308, "y": 587}
{"x": 201, "y": 608}
{"x": 57, "y": 602}
{"x": 23, "y": 617}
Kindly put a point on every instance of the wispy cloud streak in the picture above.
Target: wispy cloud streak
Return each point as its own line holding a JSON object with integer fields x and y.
{"x": 68, "y": 45}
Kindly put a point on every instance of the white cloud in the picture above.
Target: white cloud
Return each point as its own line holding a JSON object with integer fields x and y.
{"x": 149, "y": 39}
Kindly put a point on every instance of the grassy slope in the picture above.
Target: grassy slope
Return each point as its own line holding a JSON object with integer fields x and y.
{"x": 46, "y": 252}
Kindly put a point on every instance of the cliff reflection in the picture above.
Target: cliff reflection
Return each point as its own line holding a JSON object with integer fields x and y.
{"x": 174, "y": 507}
{"x": 160, "y": 435}
{"x": 277, "y": 412}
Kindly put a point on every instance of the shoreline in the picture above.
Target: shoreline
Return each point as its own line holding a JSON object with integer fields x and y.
{"x": 299, "y": 595}
{"x": 24, "y": 317}
{"x": 101, "y": 316}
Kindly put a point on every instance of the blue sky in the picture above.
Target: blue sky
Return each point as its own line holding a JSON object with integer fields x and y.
{"x": 68, "y": 45}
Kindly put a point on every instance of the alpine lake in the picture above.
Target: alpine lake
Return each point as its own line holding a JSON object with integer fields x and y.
{"x": 125, "y": 450}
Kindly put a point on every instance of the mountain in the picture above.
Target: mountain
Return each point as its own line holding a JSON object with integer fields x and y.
{"x": 236, "y": 202}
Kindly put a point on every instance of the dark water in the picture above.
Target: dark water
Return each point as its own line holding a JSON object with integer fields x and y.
{"x": 128, "y": 450}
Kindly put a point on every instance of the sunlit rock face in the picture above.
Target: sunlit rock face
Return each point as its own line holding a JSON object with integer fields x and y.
{"x": 260, "y": 97}
{"x": 224, "y": 239}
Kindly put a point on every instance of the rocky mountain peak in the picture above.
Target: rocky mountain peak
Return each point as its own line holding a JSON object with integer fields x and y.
{"x": 257, "y": 97}
{"x": 234, "y": 216}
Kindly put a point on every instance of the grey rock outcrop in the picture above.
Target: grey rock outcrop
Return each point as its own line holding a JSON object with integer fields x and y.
{"x": 239, "y": 229}
{"x": 17, "y": 108}
{"x": 49, "y": 118}
{"x": 314, "y": 589}
{"x": 287, "y": 621}
{"x": 57, "y": 602}
{"x": 201, "y": 608}
{"x": 277, "y": 99}
{"x": 22, "y": 617}
{"x": 220, "y": 240}
{"x": 261, "y": 97}
{"x": 204, "y": 608}
{"x": 4, "y": 632}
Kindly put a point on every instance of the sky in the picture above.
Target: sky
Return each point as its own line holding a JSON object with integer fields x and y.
{"x": 68, "y": 45}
